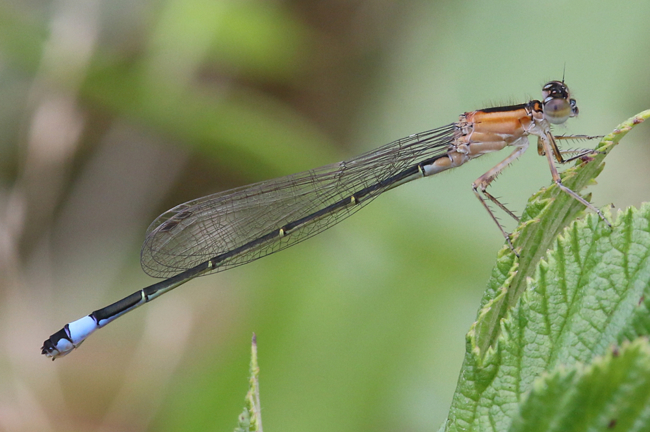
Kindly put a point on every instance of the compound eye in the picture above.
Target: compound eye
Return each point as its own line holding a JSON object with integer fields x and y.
{"x": 574, "y": 108}
{"x": 556, "y": 90}
{"x": 558, "y": 110}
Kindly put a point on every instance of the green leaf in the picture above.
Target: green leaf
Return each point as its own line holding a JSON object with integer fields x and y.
{"x": 250, "y": 420}
{"x": 588, "y": 293}
{"x": 613, "y": 393}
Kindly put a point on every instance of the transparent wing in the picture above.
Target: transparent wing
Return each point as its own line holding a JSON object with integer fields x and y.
{"x": 202, "y": 229}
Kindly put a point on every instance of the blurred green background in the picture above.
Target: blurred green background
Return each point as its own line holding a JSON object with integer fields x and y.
{"x": 113, "y": 111}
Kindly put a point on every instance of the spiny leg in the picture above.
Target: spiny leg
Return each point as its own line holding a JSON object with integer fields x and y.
{"x": 578, "y": 153}
{"x": 484, "y": 181}
{"x": 500, "y": 204}
{"x": 577, "y": 137}
{"x": 550, "y": 148}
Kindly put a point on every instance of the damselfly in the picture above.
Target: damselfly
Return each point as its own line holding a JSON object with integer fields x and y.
{"x": 232, "y": 228}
